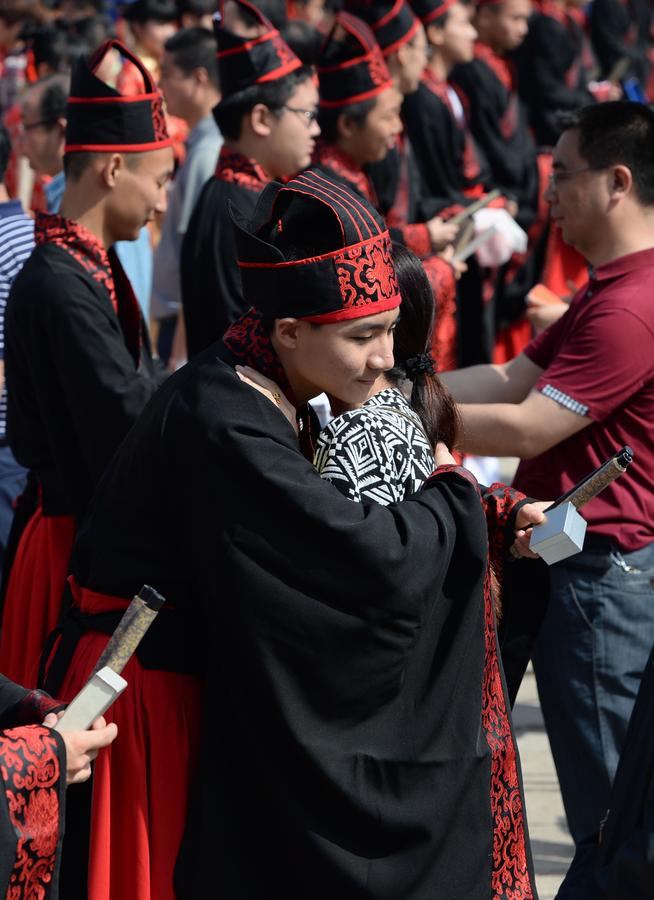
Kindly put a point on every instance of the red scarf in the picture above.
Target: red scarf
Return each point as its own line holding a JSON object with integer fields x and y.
{"x": 241, "y": 170}
{"x": 104, "y": 268}
{"x": 250, "y": 343}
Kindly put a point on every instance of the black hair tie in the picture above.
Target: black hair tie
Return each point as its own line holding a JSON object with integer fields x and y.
{"x": 422, "y": 364}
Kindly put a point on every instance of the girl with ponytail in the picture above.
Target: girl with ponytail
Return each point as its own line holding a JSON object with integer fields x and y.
{"x": 384, "y": 449}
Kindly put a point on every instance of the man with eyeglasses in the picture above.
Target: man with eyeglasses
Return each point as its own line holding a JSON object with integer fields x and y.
{"x": 43, "y": 132}
{"x": 267, "y": 116}
{"x": 580, "y": 391}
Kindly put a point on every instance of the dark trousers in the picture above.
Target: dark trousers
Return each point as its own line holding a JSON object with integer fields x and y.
{"x": 589, "y": 659}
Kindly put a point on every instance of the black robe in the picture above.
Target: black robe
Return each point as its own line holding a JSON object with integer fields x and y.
{"x": 32, "y": 807}
{"x": 620, "y": 29}
{"x": 78, "y": 372}
{"x": 451, "y": 165}
{"x": 343, "y": 752}
{"x": 552, "y": 75}
{"x": 499, "y": 124}
{"x": 212, "y": 297}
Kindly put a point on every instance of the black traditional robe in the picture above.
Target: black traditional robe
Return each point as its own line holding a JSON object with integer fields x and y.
{"x": 212, "y": 297}
{"x": 621, "y": 29}
{"x": 552, "y": 75}
{"x": 450, "y": 162}
{"x": 78, "y": 363}
{"x": 357, "y": 741}
{"x": 79, "y": 372}
{"x": 499, "y": 124}
{"x": 32, "y": 787}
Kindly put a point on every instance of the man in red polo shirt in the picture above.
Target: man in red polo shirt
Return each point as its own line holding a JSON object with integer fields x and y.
{"x": 579, "y": 392}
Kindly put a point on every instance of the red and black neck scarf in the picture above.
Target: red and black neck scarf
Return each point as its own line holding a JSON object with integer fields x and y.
{"x": 332, "y": 157}
{"x": 251, "y": 345}
{"x": 238, "y": 169}
{"x": 103, "y": 267}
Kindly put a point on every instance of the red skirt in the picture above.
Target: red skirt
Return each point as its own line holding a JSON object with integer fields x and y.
{"x": 34, "y": 592}
{"x": 141, "y": 782}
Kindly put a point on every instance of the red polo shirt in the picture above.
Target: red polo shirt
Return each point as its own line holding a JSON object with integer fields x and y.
{"x": 598, "y": 360}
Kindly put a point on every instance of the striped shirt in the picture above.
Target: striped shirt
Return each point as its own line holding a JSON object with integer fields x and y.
{"x": 16, "y": 244}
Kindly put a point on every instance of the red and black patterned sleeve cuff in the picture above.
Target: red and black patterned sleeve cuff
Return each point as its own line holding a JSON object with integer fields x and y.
{"x": 416, "y": 237}
{"x": 32, "y": 768}
{"x": 501, "y": 505}
{"x": 457, "y": 470}
{"x": 34, "y": 707}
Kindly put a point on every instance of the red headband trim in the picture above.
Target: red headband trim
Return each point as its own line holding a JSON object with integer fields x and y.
{"x": 357, "y": 98}
{"x": 442, "y": 9}
{"x": 355, "y": 312}
{"x": 403, "y": 40}
{"x": 117, "y": 148}
{"x": 248, "y": 45}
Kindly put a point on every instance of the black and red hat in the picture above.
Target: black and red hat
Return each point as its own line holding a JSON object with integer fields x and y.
{"x": 346, "y": 270}
{"x": 351, "y": 67}
{"x": 429, "y": 11}
{"x": 245, "y": 61}
{"x": 392, "y": 22}
{"x": 101, "y": 119}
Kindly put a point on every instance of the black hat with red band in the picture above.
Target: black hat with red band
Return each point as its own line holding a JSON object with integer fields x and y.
{"x": 245, "y": 61}
{"x": 351, "y": 67}
{"x": 392, "y": 22}
{"x": 429, "y": 11}
{"x": 101, "y": 119}
{"x": 346, "y": 270}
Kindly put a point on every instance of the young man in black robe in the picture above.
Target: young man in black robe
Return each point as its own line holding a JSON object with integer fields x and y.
{"x": 267, "y": 119}
{"x": 498, "y": 117}
{"x": 356, "y": 738}
{"x": 36, "y": 764}
{"x": 553, "y": 67}
{"x": 78, "y": 363}
{"x": 620, "y": 30}
{"x": 360, "y": 104}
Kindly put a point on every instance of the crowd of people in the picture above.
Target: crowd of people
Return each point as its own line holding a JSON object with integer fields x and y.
{"x": 275, "y": 279}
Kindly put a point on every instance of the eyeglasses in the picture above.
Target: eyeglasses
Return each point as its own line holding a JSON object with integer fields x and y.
{"x": 309, "y": 115}
{"x": 557, "y": 178}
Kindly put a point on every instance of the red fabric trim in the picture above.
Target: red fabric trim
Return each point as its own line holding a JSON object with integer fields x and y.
{"x": 117, "y": 148}
{"x": 313, "y": 259}
{"x": 334, "y": 190}
{"x": 39, "y": 573}
{"x": 279, "y": 72}
{"x": 29, "y": 761}
{"x": 416, "y": 237}
{"x": 238, "y": 169}
{"x": 341, "y": 164}
{"x": 386, "y": 51}
{"x": 248, "y": 45}
{"x": 502, "y": 68}
{"x": 437, "y": 13}
{"x": 133, "y": 98}
{"x": 357, "y": 98}
{"x": 140, "y": 794}
{"x": 391, "y": 14}
{"x": 356, "y": 312}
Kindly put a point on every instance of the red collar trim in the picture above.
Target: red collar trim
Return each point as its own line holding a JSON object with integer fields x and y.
{"x": 341, "y": 164}
{"x": 501, "y": 67}
{"x": 239, "y": 169}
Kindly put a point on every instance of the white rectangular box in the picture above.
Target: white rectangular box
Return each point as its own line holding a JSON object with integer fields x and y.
{"x": 561, "y": 536}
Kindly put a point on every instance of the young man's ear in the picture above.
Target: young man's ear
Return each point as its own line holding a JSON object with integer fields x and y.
{"x": 260, "y": 122}
{"x": 111, "y": 168}
{"x": 435, "y": 35}
{"x": 286, "y": 332}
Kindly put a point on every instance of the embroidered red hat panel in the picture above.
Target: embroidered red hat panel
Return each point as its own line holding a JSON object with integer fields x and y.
{"x": 100, "y": 118}
{"x": 351, "y": 67}
{"x": 315, "y": 249}
{"x": 392, "y": 22}
{"x": 250, "y": 49}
